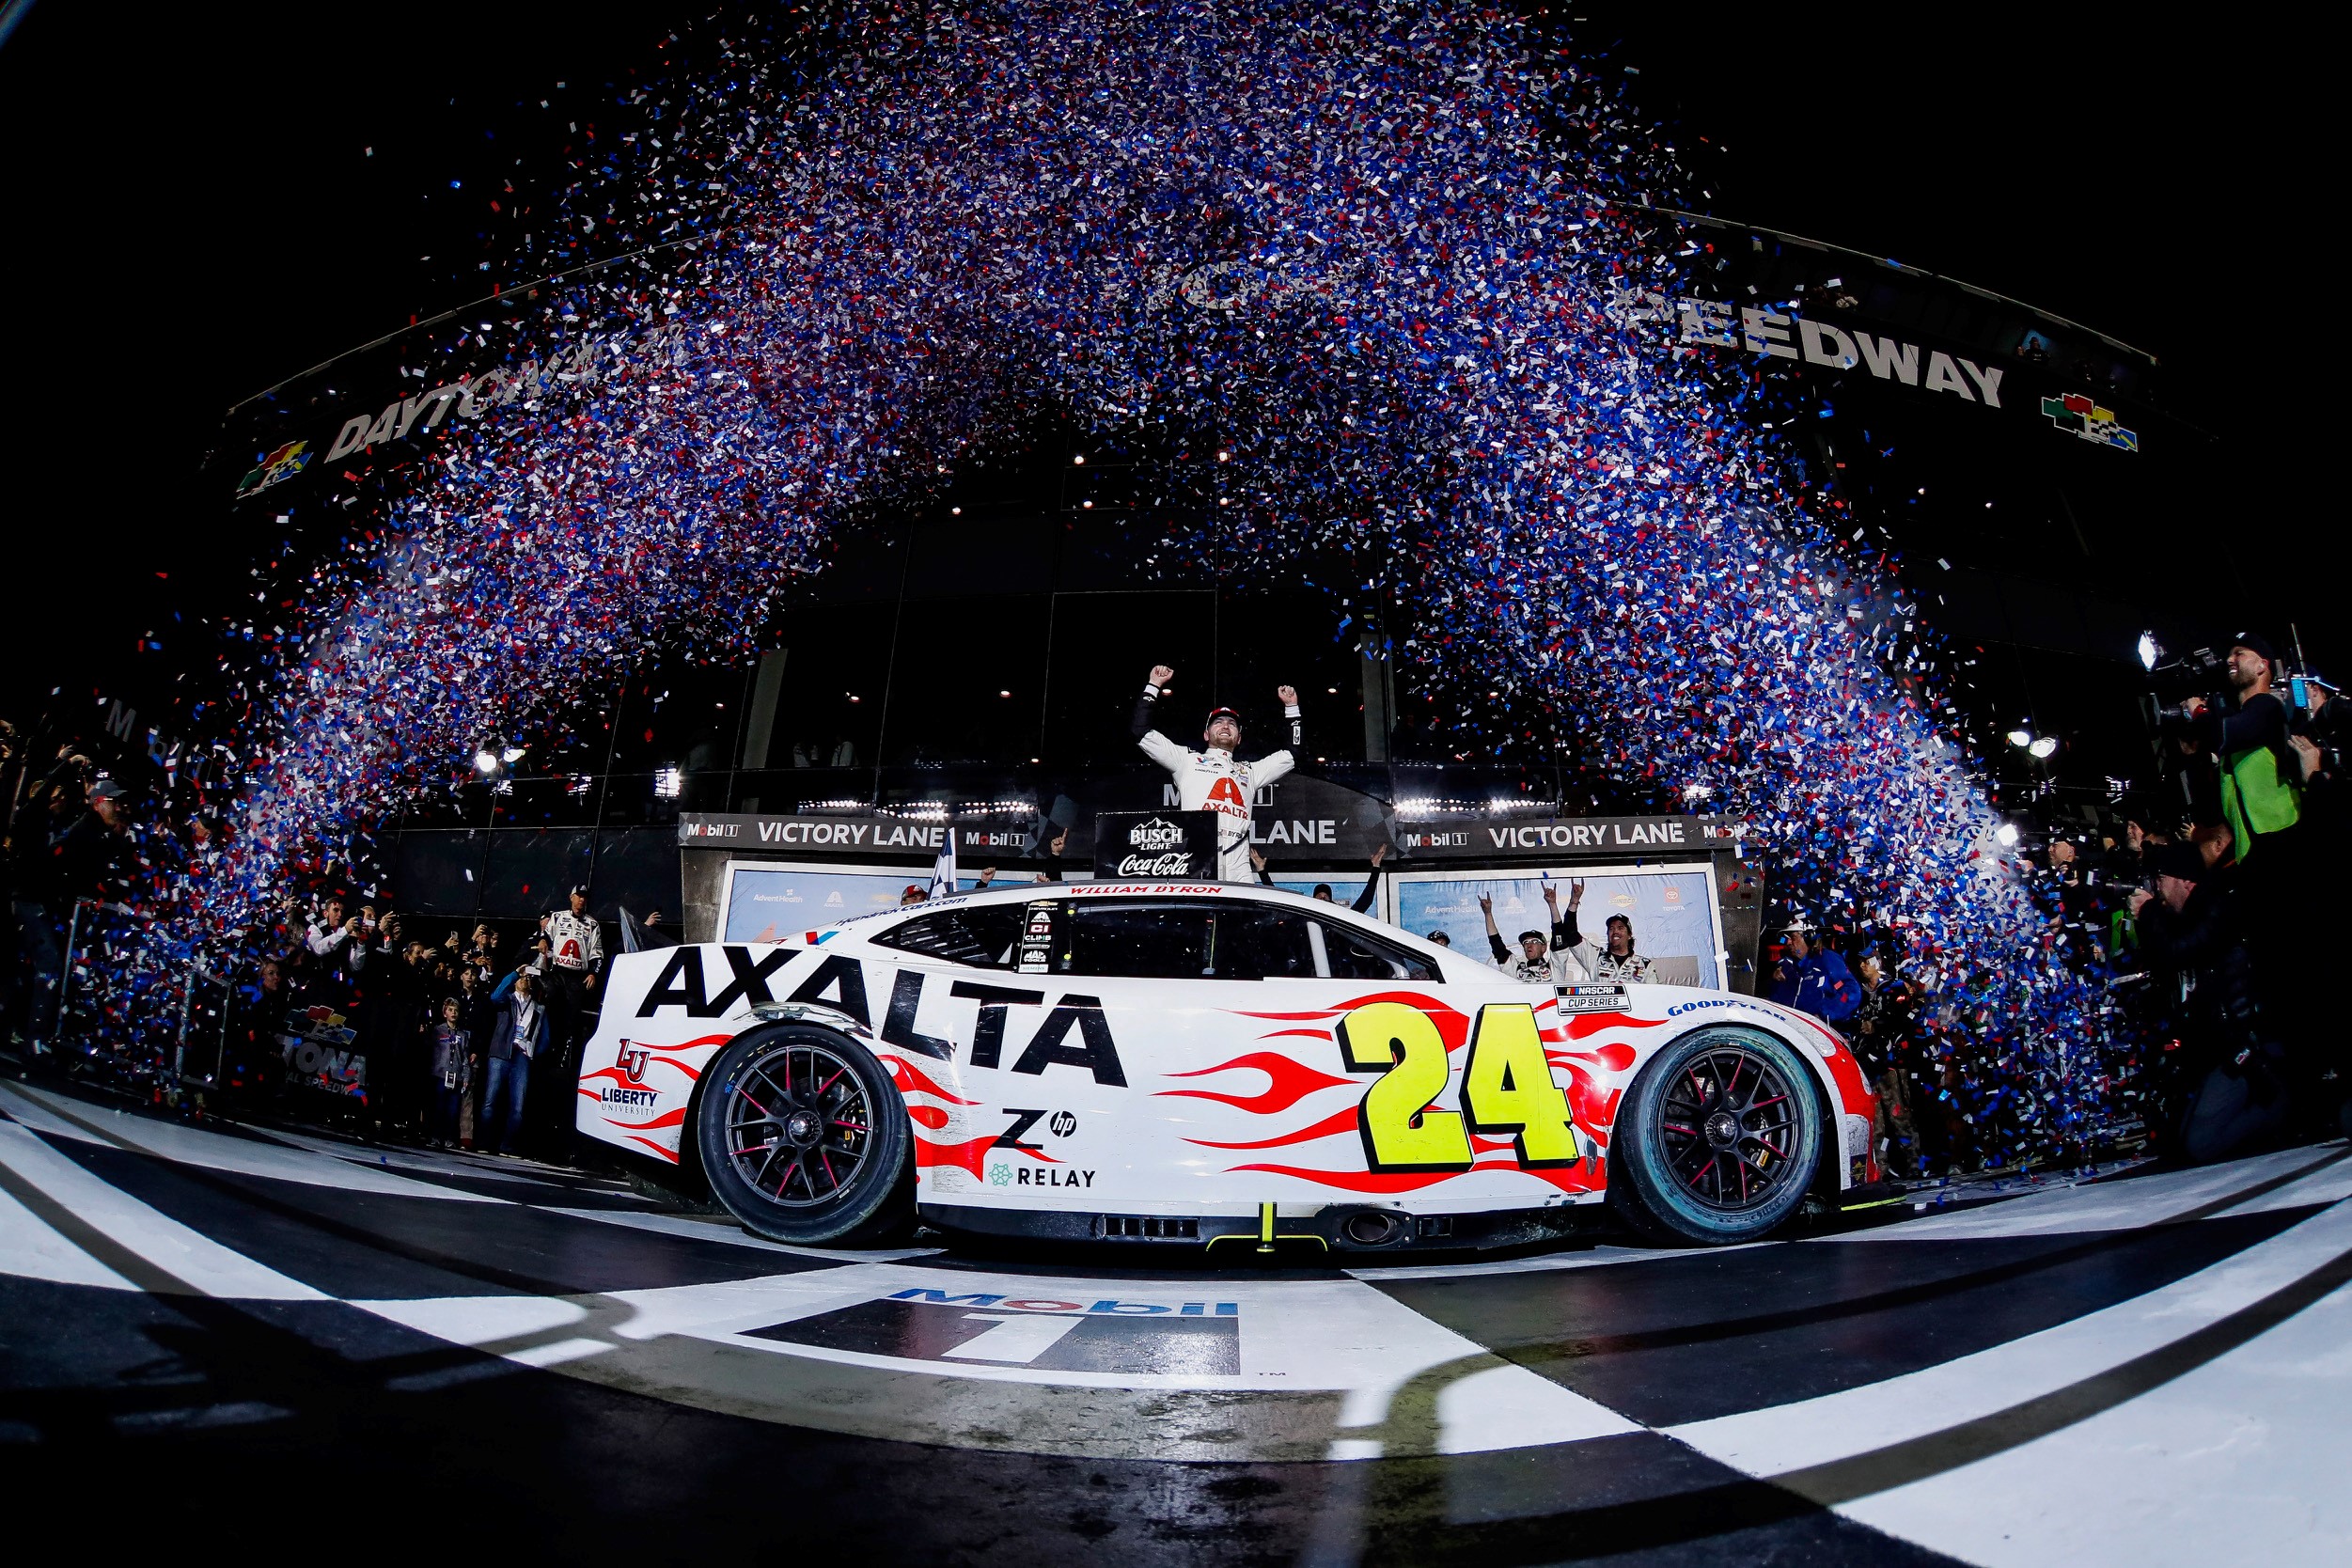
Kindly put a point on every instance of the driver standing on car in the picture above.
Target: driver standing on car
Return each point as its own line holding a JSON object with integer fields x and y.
{"x": 1214, "y": 779}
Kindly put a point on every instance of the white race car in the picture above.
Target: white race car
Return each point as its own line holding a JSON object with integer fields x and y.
{"x": 1188, "y": 1062}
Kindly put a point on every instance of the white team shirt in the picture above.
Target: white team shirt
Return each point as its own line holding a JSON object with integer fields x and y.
{"x": 1218, "y": 781}
{"x": 575, "y": 941}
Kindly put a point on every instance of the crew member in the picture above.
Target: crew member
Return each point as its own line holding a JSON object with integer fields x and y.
{"x": 1616, "y": 963}
{"x": 1813, "y": 980}
{"x": 1214, "y": 779}
{"x": 1536, "y": 963}
{"x": 576, "y": 954}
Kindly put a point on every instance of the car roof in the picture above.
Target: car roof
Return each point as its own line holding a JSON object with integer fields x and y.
{"x": 1241, "y": 891}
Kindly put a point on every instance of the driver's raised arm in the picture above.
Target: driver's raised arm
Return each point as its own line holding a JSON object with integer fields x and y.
{"x": 1494, "y": 933}
{"x": 1275, "y": 765}
{"x": 1167, "y": 753}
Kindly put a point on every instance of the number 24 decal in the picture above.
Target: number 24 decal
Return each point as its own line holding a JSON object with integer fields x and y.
{"x": 1507, "y": 1087}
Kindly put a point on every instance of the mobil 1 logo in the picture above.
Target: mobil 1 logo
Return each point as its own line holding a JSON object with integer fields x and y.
{"x": 1080, "y": 1334}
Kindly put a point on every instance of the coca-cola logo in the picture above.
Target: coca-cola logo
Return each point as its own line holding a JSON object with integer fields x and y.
{"x": 1178, "y": 864}
{"x": 1157, "y": 834}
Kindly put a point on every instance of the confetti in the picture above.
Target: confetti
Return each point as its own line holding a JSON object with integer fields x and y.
{"x": 1407, "y": 240}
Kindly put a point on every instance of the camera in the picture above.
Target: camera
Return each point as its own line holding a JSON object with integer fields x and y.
{"x": 2173, "y": 686}
{"x": 2315, "y": 712}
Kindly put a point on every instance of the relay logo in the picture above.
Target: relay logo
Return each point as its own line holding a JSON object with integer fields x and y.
{"x": 2083, "y": 418}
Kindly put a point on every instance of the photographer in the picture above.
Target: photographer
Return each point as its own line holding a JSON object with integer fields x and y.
{"x": 2228, "y": 1085}
{"x": 2260, "y": 783}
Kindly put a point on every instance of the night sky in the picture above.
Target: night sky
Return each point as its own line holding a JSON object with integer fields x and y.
{"x": 193, "y": 213}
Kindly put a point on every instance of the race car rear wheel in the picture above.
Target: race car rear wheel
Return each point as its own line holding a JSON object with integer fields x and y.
{"x": 1718, "y": 1140}
{"x": 804, "y": 1137}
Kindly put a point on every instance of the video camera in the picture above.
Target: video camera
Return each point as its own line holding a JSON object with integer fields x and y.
{"x": 2174, "y": 683}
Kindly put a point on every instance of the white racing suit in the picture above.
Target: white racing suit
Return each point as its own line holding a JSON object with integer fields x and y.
{"x": 575, "y": 942}
{"x": 1598, "y": 964}
{"x": 1216, "y": 781}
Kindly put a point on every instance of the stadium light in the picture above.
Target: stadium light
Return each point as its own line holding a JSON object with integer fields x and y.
{"x": 2149, "y": 650}
{"x": 2006, "y": 835}
{"x": 2043, "y": 748}
{"x": 2021, "y": 738}
{"x": 669, "y": 783}
{"x": 485, "y": 761}
{"x": 512, "y": 754}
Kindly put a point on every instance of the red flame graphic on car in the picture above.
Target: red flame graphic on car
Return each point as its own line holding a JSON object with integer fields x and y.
{"x": 1289, "y": 1081}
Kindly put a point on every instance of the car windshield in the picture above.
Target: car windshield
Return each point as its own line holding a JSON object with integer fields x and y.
{"x": 981, "y": 935}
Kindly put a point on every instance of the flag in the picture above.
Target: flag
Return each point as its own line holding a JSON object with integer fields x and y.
{"x": 943, "y": 881}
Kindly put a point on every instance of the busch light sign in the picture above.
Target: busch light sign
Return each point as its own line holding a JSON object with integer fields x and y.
{"x": 1158, "y": 846}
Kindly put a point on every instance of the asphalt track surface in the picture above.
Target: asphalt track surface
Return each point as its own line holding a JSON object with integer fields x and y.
{"x": 299, "y": 1344}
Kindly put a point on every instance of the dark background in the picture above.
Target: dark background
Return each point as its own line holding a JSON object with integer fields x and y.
{"x": 193, "y": 213}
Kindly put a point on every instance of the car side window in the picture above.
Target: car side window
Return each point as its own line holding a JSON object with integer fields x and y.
{"x": 981, "y": 936}
{"x": 1356, "y": 954}
{"x": 1162, "y": 940}
{"x": 1263, "y": 941}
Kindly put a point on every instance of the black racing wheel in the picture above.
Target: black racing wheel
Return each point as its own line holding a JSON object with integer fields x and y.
{"x": 804, "y": 1139}
{"x": 1718, "y": 1140}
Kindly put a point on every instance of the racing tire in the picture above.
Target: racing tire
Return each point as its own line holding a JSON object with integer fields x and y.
{"x": 804, "y": 1137}
{"x": 1718, "y": 1140}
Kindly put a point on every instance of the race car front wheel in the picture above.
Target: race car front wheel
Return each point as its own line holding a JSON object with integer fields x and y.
{"x": 1718, "y": 1140}
{"x": 804, "y": 1138}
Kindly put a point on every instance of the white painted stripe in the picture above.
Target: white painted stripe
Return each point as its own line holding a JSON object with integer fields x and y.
{"x": 18, "y": 1101}
{"x": 2104, "y": 1206}
{"x": 2329, "y": 1185}
{"x": 431, "y": 1164}
{"x": 557, "y": 1354}
{"x": 1596, "y": 1257}
{"x": 480, "y": 1320}
{"x": 736, "y": 1235}
{"x": 183, "y": 1253}
{"x": 1856, "y": 1420}
{"x": 208, "y": 1151}
{"x": 31, "y": 1250}
{"x": 2239, "y": 1461}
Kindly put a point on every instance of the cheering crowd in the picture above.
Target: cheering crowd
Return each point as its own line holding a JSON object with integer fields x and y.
{"x": 459, "y": 1045}
{"x": 339, "y": 1011}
